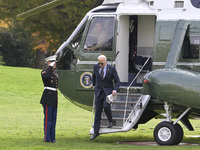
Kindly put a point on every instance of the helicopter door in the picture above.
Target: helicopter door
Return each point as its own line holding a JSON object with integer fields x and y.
{"x": 98, "y": 38}
{"x": 145, "y": 42}
{"x": 123, "y": 48}
{"x": 134, "y": 41}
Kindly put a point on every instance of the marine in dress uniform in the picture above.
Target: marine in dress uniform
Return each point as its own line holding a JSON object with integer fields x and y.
{"x": 49, "y": 101}
{"x": 103, "y": 77}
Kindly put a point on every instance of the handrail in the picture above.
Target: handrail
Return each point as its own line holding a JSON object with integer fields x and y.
{"x": 136, "y": 105}
{"x": 128, "y": 91}
{"x": 138, "y": 72}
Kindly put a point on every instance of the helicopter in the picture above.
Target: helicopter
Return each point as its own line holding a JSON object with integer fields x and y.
{"x": 154, "y": 46}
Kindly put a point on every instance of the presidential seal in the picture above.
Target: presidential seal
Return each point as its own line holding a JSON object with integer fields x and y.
{"x": 86, "y": 80}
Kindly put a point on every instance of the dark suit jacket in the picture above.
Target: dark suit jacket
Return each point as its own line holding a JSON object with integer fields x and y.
{"x": 49, "y": 78}
{"x": 107, "y": 83}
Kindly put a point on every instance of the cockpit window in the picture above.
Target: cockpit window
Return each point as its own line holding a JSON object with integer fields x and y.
{"x": 196, "y": 3}
{"x": 66, "y": 59}
{"x": 75, "y": 43}
{"x": 100, "y": 34}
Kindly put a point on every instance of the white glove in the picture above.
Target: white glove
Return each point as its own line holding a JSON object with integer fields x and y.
{"x": 51, "y": 64}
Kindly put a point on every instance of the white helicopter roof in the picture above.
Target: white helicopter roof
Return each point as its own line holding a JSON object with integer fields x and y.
{"x": 163, "y": 9}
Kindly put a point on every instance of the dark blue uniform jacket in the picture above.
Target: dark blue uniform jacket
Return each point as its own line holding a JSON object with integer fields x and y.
{"x": 50, "y": 79}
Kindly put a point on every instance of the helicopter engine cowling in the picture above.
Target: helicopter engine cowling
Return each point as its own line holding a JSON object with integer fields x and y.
{"x": 177, "y": 86}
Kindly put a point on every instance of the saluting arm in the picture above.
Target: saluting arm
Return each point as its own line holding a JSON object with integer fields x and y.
{"x": 46, "y": 73}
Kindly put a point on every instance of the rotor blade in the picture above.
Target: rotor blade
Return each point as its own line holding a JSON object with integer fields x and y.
{"x": 39, "y": 9}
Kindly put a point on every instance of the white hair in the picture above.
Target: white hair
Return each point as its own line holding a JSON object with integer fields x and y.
{"x": 103, "y": 57}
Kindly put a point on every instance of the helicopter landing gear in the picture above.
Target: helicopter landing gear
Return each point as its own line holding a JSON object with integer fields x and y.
{"x": 167, "y": 132}
{"x": 180, "y": 132}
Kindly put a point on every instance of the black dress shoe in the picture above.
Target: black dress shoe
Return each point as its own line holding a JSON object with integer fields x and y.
{"x": 110, "y": 125}
{"x": 94, "y": 136}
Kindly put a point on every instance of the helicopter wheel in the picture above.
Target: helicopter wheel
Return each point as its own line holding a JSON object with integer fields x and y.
{"x": 179, "y": 137}
{"x": 166, "y": 133}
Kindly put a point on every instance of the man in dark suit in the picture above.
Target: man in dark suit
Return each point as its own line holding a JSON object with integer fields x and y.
{"x": 49, "y": 100}
{"x": 103, "y": 76}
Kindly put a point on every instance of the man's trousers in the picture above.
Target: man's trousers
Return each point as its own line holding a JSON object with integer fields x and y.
{"x": 100, "y": 104}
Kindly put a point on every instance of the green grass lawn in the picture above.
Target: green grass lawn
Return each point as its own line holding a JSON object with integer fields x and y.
{"x": 21, "y": 119}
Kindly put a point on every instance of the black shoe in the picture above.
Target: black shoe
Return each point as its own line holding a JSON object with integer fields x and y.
{"x": 53, "y": 141}
{"x": 94, "y": 136}
{"x": 110, "y": 125}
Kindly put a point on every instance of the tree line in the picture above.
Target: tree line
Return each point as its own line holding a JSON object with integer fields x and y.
{"x": 25, "y": 43}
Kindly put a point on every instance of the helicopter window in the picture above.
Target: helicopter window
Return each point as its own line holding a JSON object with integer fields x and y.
{"x": 100, "y": 34}
{"x": 67, "y": 61}
{"x": 75, "y": 43}
{"x": 196, "y": 3}
{"x": 191, "y": 47}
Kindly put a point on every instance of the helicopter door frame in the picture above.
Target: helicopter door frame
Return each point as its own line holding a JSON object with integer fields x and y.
{"x": 144, "y": 44}
{"x": 122, "y": 46}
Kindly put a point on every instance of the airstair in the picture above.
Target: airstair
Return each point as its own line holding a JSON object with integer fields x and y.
{"x": 126, "y": 109}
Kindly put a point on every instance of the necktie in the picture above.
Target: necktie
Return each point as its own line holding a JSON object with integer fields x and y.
{"x": 102, "y": 73}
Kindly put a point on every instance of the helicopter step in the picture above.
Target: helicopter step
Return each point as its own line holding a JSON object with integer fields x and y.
{"x": 133, "y": 89}
{"x": 121, "y": 108}
{"x": 126, "y": 111}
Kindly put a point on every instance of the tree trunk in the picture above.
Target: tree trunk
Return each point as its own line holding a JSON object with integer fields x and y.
{"x": 39, "y": 60}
